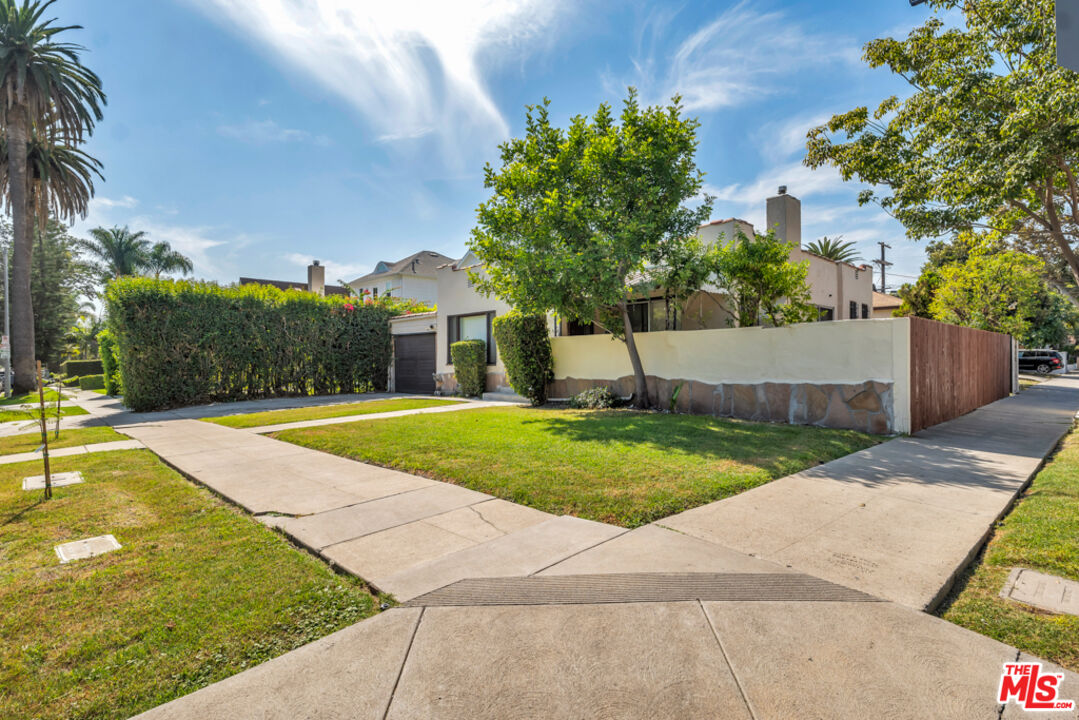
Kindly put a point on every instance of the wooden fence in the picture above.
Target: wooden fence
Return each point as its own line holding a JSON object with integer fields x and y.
{"x": 954, "y": 370}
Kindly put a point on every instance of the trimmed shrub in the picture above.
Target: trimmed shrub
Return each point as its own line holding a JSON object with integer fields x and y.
{"x": 470, "y": 366}
{"x": 71, "y": 382}
{"x": 525, "y": 347}
{"x": 81, "y": 367}
{"x": 92, "y": 382}
{"x": 188, "y": 343}
{"x": 597, "y": 398}
{"x": 110, "y": 361}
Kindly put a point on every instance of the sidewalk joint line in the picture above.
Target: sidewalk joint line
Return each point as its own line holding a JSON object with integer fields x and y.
{"x": 404, "y": 660}
{"x": 575, "y": 554}
{"x": 726, "y": 659}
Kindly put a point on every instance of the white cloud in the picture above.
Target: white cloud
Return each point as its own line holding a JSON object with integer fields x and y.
{"x": 126, "y": 201}
{"x": 334, "y": 270}
{"x": 742, "y": 55}
{"x": 194, "y": 242}
{"x": 263, "y": 132}
{"x": 409, "y": 67}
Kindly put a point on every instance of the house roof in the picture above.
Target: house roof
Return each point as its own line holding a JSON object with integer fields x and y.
{"x": 885, "y": 301}
{"x": 424, "y": 263}
{"x": 287, "y": 285}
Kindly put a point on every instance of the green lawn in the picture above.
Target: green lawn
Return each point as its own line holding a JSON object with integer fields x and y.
{"x": 1040, "y": 533}
{"x": 50, "y": 412}
{"x": 276, "y": 417}
{"x": 198, "y": 592}
{"x": 30, "y": 397}
{"x": 617, "y": 466}
{"x": 27, "y": 442}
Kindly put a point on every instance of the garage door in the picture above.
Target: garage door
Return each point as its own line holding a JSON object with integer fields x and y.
{"x": 414, "y": 363}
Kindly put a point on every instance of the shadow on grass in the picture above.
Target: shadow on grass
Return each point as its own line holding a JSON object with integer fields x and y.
{"x": 19, "y": 515}
{"x": 771, "y": 447}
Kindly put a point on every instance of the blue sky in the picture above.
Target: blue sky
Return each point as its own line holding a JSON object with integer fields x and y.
{"x": 256, "y": 135}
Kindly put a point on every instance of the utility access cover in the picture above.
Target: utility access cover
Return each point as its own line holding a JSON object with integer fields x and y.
{"x": 1047, "y": 592}
{"x": 58, "y": 480}
{"x": 82, "y": 549}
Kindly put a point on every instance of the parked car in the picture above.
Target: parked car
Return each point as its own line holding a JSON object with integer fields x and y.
{"x": 1042, "y": 362}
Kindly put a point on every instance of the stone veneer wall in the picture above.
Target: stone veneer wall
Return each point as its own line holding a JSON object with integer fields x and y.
{"x": 866, "y": 406}
{"x": 446, "y": 383}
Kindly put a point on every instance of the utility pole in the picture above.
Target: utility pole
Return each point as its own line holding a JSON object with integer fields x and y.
{"x": 883, "y": 264}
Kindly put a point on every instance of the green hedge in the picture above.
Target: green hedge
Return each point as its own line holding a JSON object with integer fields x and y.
{"x": 525, "y": 347}
{"x": 92, "y": 382}
{"x": 110, "y": 361}
{"x": 470, "y": 366}
{"x": 187, "y": 343}
{"x": 72, "y": 381}
{"x": 81, "y": 367}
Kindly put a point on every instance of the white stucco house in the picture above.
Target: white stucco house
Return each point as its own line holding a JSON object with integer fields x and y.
{"x": 413, "y": 278}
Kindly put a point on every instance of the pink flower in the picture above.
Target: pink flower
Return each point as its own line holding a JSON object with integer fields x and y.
{"x": 350, "y": 307}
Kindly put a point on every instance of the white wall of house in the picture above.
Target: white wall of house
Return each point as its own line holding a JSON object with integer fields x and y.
{"x": 458, "y": 297}
{"x": 412, "y": 287}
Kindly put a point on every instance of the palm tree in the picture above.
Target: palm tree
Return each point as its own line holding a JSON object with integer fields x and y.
{"x": 163, "y": 259}
{"x": 42, "y": 85}
{"x": 832, "y": 249}
{"x": 119, "y": 251}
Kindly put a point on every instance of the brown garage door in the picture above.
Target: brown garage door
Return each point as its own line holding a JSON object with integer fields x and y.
{"x": 414, "y": 363}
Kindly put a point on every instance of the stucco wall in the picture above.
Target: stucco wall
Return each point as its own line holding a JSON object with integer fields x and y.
{"x": 839, "y": 357}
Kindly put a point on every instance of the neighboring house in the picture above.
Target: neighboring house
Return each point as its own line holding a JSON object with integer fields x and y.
{"x": 316, "y": 282}
{"x": 840, "y": 291}
{"x": 884, "y": 305}
{"x": 412, "y": 278}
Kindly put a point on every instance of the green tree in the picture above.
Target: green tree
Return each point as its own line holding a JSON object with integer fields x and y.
{"x": 833, "y": 249}
{"x": 82, "y": 337}
{"x": 580, "y": 216}
{"x": 987, "y": 139}
{"x": 761, "y": 282}
{"x": 994, "y": 291}
{"x": 163, "y": 259}
{"x": 44, "y": 89}
{"x": 60, "y": 277}
{"x": 118, "y": 252}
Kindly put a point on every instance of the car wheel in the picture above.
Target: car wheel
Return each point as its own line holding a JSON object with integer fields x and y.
{"x": 1044, "y": 369}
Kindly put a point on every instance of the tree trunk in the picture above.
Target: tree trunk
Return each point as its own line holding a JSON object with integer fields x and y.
{"x": 640, "y": 385}
{"x": 22, "y": 310}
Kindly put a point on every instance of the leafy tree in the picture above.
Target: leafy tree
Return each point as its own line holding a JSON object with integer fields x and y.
{"x": 117, "y": 251}
{"x": 580, "y": 216}
{"x": 918, "y": 296}
{"x": 59, "y": 279}
{"x": 833, "y": 249}
{"x": 82, "y": 337}
{"x": 988, "y": 139}
{"x": 44, "y": 88}
{"x": 991, "y": 291}
{"x": 163, "y": 259}
{"x": 761, "y": 281}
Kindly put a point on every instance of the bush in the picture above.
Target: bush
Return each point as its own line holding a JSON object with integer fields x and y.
{"x": 92, "y": 382}
{"x": 81, "y": 367}
{"x": 110, "y": 362}
{"x": 470, "y": 366}
{"x": 187, "y": 343}
{"x": 597, "y": 398}
{"x": 71, "y": 381}
{"x": 525, "y": 347}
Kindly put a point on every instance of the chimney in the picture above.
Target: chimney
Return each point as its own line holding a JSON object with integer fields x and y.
{"x": 316, "y": 278}
{"x": 784, "y": 215}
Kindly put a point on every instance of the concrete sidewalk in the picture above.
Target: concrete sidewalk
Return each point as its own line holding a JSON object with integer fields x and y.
{"x": 75, "y": 450}
{"x": 902, "y": 519}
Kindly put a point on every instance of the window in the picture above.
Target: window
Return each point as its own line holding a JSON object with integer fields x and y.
{"x": 638, "y": 315}
{"x": 580, "y": 328}
{"x": 865, "y": 311}
{"x": 665, "y": 316}
{"x": 853, "y": 310}
{"x": 374, "y": 293}
{"x": 825, "y": 314}
{"x": 470, "y": 327}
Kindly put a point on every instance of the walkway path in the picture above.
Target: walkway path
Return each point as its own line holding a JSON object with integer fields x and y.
{"x": 581, "y": 619}
{"x": 74, "y": 450}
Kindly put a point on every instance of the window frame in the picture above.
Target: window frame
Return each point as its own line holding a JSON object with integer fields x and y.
{"x": 453, "y": 334}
